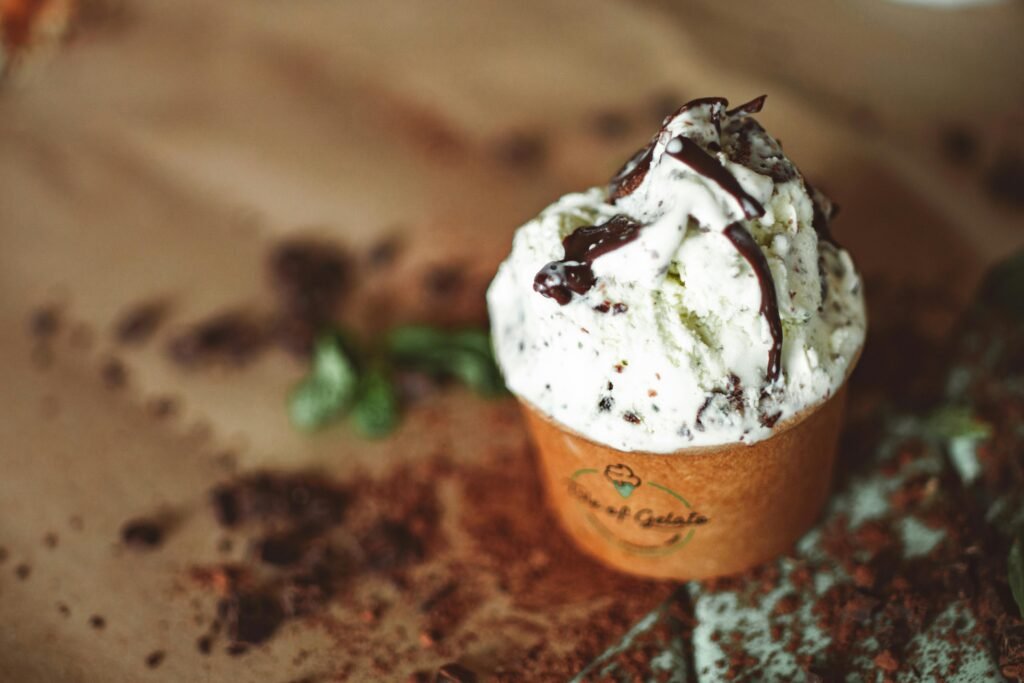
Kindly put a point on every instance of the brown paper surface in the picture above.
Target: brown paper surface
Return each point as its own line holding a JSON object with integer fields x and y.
{"x": 165, "y": 149}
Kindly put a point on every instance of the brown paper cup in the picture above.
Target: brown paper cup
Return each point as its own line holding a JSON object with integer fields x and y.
{"x": 698, "y": 512}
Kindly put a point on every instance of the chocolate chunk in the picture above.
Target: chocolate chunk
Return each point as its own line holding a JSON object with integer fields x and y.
{"x": 605, "y": 404}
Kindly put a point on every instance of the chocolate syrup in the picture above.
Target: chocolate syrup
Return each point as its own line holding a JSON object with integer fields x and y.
{"x": 559, "y": 279}
{"x": 628, "y": 178}
{"x": 747, "y": 108}
{"x": 748, "y": 248}
{"x": 691, "y": 154}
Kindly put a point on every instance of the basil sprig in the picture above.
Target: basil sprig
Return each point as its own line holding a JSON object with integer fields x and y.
{"x": 340, "y": 382}
{"x": 464, "y": 354}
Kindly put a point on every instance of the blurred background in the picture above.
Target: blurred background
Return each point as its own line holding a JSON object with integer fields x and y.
{"x": 160, "y": 151}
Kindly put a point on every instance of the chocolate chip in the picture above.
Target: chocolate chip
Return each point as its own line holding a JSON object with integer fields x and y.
{"x": 154, "y": 659}
{"x": 22, "y": 571}
{"x": 97, "y": 622}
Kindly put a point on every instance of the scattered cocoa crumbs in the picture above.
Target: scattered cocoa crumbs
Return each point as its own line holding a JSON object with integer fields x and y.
{"x": 50, "y": 540}
{"x": 44, "y": 322}
{"x": 155, "y": 659}
{"x": 113, "y": 373}
{"x": 22, "y": 571}
{"x": 63, "y": 609}
{"x": 228, "y": 339}
{"x": 142, "y": 534}
{"x": 311, "y": 278}
{"x": 97, "y": 622}
{"x": 453, "y": 672}
{"x": 138, "y": 324}
{"x": 521, "y": 150}
{"x": 162, "y": 407}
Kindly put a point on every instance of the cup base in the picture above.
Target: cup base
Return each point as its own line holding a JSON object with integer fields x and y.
{"x": 699, "y": 512}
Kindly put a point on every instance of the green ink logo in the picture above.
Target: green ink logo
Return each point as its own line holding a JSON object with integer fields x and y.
{"x": 658, "y": 522}
{"x": 622, "y": 478}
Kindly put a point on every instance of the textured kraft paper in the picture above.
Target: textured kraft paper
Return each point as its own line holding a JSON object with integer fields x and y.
{"x": 695, "y": 513}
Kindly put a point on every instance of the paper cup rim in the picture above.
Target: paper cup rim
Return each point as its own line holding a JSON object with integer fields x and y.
{"x": 709, "y": 449}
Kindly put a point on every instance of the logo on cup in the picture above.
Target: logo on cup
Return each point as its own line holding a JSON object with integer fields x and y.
{"x": 655, "y": 521}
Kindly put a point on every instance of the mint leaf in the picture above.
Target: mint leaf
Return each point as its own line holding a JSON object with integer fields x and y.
{"x": 329, "y": 387}
{"x": 466, "y": 355}
{"x": 1015, "y": 573}
{"x": 956, "y": 422}
{"x": 375, "y": 412}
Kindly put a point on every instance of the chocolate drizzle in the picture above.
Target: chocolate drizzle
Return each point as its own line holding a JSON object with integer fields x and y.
{"x": 747, "y": 108}
{"x": 748, "y": 248}
{"x": 573, "y": 273}
{"x": 632, "y": 173}
{"x": 691, "y": 154}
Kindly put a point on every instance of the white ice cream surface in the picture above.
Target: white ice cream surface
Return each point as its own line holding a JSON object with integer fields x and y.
{"x": 669, "y": 348}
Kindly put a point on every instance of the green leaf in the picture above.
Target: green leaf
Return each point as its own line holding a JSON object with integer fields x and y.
{"x": 375, "y": 412}
{"x": 1015, "y": 573}
{"x": 465, "y": 354}
{"x": 329, "y": 387}
{"x": 956, "y": 422}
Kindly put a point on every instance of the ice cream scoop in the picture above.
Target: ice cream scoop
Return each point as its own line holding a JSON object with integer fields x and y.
{"x": 698, "y": 299}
